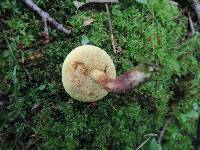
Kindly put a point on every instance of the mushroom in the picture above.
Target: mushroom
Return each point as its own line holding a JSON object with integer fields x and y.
{"x": 88, "y": 74}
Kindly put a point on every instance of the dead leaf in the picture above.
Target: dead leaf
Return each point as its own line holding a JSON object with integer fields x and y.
{"x": 35, "y": 56}
{"x": 87, "y": 22}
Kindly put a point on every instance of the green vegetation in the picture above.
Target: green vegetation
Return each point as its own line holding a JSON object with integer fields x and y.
{"x": 148, "y": 34}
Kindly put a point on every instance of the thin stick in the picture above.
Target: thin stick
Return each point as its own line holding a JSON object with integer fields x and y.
{"x": 110, "y": 28}
{"x": 192, "y": 29}
{"x": 28, "y": 74}
{"x": 196, "y": 7}
{"x": 143, "y": 143}
{"x": 46, "y": 17}
{"x": 45, "y": 26}
{"x": 164, "y": 129}
{"x": 151, "y": 134}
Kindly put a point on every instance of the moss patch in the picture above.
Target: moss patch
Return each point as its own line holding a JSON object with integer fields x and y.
{"x": 152, "y": 34}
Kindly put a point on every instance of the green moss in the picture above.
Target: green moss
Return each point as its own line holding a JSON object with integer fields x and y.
{"x": 151, "y": 34}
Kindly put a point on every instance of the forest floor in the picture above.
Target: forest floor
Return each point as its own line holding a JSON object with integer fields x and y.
{"x": 37, "y": 113}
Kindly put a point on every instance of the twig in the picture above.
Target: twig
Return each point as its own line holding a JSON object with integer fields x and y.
{"x": 192, "y": 29}
{"x": 114, "y": 43}
{"x": 143, "y": 143}
{"x": 196, "y": 7}
{"x": 115, "y": 46}
{"x": 110, "y": 28}
{"x": 46, "y": 17}
{"x": 28, "y": 74}
{"x": 149, "y": 136}
{"x": 164, "y": 129}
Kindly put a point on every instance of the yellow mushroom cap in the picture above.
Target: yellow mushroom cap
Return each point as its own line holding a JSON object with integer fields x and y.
{"x": 76, "y": 72}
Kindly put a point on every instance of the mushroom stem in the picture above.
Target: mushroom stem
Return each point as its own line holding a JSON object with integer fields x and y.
{"x": 100, "y": 77}
{"x": 123, "y": 82}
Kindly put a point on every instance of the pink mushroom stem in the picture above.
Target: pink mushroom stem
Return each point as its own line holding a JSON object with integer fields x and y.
{"x": 123, "y": 82}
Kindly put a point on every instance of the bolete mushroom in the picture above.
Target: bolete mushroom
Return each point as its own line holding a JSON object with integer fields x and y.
{"x": 88, "y": 74}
